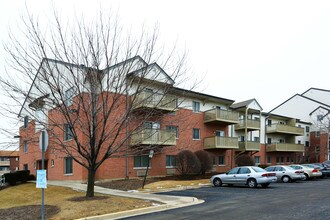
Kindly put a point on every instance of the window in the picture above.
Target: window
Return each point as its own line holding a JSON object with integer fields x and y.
{"x": 196, "y": 134}
{"x": 282, "y": 140}
{"x": 25, "y": 167}
{"x": 307, "y": 128}
{"x": 25, "y": 147}
{"x": 174, "y": 129}
{"x": 269, "y": 159}
{"x": 288, "y": 159}
{"x": 196, "y": 106}
{"x": 170, "y": 161}
{"x": 257, "y": 159}
{"x": 220, "y": 133}
{"x": 282, "y": 159}
{"x": 307, "y": 144}
{"x": 244, "y": 170}
{"x": 299, "y": 142}
{"x": 141, "y": 161}
{"x": 52, "y": 163}
{"x": 319, "y": 117}
{"x": 35, "y": 165}
{"x": 68, "y": 96}
{"x": 68, "y": 165}
{"x": 152, "y": 125}
{"x": 233, "y": 171}
{"x": 269, "y": 122}
{"x": 269, "y": 140}
{"x": 317, "y": 134}
{"x": 67, "y": 132}
{"x": 256, "y": 139}
{"x": 26, "y": 121}
{"x": 221, "y": 160}
{"x": 317, "y": 149}
{"x": 214, "y": 161}
{"x": 277, "y": 159}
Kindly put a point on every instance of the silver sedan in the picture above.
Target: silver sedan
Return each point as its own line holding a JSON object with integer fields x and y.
{"x": 246, "y": 175}
{"x": 286, "y": 174}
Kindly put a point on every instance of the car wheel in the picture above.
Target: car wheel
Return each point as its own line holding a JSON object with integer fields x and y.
{"x": 265, "y": 185}
{"x": 217, "y": 182}
{"x": 252, "y": 183}
{"x": 306, "y": 177}
{"x": 286, "y": 179}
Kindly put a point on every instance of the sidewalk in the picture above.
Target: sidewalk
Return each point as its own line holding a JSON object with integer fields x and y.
{"x": 167, "y": 202}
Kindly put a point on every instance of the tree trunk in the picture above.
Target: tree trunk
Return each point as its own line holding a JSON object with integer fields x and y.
{"x": 90, "y": 183}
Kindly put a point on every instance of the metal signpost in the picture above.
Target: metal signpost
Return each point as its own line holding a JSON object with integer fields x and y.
{"x": 151, "y": 154}
{"x": 41, "y": 174}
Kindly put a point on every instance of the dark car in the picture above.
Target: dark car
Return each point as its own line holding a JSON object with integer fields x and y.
{"x": 325, "y": 169}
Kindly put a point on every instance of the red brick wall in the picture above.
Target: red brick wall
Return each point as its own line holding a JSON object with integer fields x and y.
{"x": 320, "y": 141}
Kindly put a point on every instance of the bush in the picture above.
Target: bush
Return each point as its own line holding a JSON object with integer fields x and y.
{"x": 245, "y": 160}
{"x": 31, "y": 177}
{"x": 263, "y": 166}
{"x": 11, "y": 178}
{"x": 187, "y": 163}
{"x": 23, "y": 175}
{"x": 205, "y": 160}
{"x": 18, "y": 176}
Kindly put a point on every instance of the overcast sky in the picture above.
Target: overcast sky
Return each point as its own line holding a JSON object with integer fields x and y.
{"x": 268, "y": 50}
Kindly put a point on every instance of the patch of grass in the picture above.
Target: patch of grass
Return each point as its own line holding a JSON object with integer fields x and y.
{"x": 167, "y": 184}
{"x": 70, "y": 203}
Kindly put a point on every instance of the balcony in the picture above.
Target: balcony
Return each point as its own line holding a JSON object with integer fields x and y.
{"x": 249, "y": 124}
{"x": 220, "y": 143}
{"x": 153, "y": 137}
{"x": 285, "y": 147}
{"x": 249, "y": 146}
{"x": 221, "y": 116}
{"x": 284, "y": 129}
{"x": 151, "y": 100}
{"x": 5, "y": 163}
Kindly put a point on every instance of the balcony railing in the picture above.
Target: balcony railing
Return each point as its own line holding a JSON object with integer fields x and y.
{"x": 5, "y": 163}
{"x": 250, "y": 124}
{"x": 249, "y": 146}
{"x": 153, "y": 137}
{"x": 285, "y": 147}
{"x": 221, "y": 115}
{"x": 154, "y": 100}
{"x": 285, "y": 129}
{"x": 221, "y": 143}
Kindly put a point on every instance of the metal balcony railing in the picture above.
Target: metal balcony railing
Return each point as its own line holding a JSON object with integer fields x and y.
{"x": 221, "y": 143}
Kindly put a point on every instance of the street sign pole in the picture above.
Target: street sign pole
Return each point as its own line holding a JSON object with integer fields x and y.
{"x": 43, "y": 141}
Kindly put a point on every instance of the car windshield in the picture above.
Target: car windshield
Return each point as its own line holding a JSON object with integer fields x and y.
{"x": 258, "y": 169}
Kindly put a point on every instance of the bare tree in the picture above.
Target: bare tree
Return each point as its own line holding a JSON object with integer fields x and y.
{"x": 94, "y": 85}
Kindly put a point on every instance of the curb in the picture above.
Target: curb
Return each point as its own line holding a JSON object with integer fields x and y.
{"x": 142, "y": 211}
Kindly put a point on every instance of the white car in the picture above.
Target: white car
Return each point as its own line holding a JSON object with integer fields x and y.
{"x": 286, "y": 174}
{"x": 308, "y": 171}
{"x": 251, "y": 176}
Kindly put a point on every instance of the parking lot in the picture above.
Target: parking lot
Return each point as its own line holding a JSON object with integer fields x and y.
{"x": 300, "y": 200}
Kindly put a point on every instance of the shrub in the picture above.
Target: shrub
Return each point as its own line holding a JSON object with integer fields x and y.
{"x": 263, "y": 166}
{"x": 11, "y": 178}
{"x": 187, "y": 163}
{"x": 205, "y": 160}
{"x": 31, "y": 177}
{"x": 245, "y": 160}
{"x": 23, "y": 175}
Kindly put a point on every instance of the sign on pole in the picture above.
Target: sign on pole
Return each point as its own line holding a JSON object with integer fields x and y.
{"x": 41, "y": 179}
{"x": 43, "y": 136}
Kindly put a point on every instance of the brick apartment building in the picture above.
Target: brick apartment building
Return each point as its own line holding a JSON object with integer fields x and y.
{"x": 318, "y": 151}
{"x": 9, "y": 161}
{"x": 189, "y": 120}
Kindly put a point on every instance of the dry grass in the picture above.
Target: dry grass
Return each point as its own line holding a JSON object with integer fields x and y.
{"x": 27, "y": 194}
{"x": 169, "y": 184}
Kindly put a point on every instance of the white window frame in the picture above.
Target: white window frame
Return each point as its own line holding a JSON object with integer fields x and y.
{"x": 199, "y": 134}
